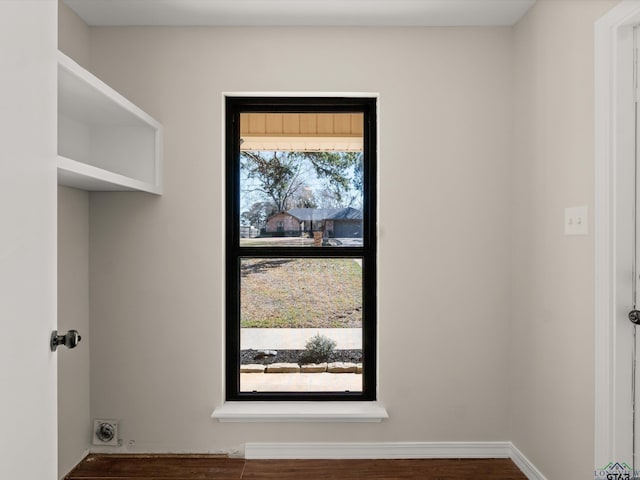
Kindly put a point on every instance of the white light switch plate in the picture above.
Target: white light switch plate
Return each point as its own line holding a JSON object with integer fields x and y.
{"x": 576, "y": 220}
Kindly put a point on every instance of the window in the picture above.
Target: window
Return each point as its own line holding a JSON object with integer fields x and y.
{"x": 300, "y": 248}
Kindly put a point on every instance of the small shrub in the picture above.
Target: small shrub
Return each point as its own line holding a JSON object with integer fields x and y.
{"x": 317, "y": 350}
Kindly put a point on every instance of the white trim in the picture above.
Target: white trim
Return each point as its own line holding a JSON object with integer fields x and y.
{"x": 613, "y": 173}
{"x": 525, "y": 465}
{"x": 226, "y": 13}
{"x": 80, "y": 457}
{"x": 382, "y": 450}
{"x": 341, "y": 412}
{"x": 390, "y": 450}
{"x": 302, "y": 94}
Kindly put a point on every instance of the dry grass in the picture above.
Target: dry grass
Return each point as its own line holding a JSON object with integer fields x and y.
{"x": 301, "y": 293}
{"x": 277, "y": 242}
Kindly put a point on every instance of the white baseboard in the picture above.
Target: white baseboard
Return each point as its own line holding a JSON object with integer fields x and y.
{"x": 80, "y": 458}
{"x": 377, "y": 450}
{"x": 525, "y": 465}
{"x": 387, "y": 450}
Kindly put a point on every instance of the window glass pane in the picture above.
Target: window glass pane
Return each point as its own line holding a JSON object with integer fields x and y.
{"x": 301, "y": 179}
{"x": 301, "y": 325}
{"x": 298, "y": 180}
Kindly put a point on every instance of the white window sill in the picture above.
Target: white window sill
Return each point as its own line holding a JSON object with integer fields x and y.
{"x": 300, "y": 412}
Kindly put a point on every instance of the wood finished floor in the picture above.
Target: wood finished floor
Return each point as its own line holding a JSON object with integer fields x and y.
{"x": 203, "y": 467}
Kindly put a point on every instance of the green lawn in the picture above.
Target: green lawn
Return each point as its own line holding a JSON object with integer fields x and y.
{"x": 301, "y": 293}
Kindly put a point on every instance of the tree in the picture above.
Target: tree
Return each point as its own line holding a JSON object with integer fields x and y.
{"x": 278, "y": 178}
{"x": 256, "y": 215}
{"x": 305, "y": 198}
{"x": 330, "y": 198}
{"x": 342, "y": 172}
{"x": 284, "y": 178}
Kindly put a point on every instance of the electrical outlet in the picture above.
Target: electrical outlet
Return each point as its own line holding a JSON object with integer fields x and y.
{"x": 105, "y": 432}
{"x": 576, "y": 220}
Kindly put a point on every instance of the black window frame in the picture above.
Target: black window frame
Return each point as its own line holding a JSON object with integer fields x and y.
{"x": 234, "y": 106}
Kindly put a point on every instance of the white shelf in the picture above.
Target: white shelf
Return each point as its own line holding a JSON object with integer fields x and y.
{"x": 105, "y": 142}
{"x": 87, "y": 177}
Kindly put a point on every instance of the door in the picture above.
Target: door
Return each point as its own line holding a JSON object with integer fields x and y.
{"x": 634, "y": 315}
{"x": 28, "y": 238}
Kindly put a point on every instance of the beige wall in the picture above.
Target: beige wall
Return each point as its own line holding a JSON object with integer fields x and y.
{"x": 74, "y": 417}
{"x": 552, "y": 330}
{"x": 74, "y": 427}
{"x": 73, "y": 35}
{"x": 157, "y": 263}
{"x": 487, "y": 132}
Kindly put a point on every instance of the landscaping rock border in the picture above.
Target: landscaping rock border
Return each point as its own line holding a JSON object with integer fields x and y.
{"x": 275, "y": 368}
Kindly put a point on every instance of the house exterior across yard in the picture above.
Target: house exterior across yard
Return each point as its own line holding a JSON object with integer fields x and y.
{"x": 333, "y": 222}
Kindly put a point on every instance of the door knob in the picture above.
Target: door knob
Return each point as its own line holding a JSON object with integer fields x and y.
{"x": 69, "y": 340}
{"x": 634, "y": 316}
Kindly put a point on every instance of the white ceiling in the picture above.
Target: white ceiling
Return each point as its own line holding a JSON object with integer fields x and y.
{"x": 301, "y": 12}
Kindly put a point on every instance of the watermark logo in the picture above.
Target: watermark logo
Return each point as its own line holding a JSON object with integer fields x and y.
{"x": 615, "y": 471}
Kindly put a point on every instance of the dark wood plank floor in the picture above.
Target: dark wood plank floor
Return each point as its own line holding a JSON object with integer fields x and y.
{"x": 208, "y": 467}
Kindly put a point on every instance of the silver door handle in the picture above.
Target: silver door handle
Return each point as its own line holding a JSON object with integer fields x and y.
{"x": 69, "y": 340}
